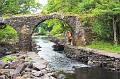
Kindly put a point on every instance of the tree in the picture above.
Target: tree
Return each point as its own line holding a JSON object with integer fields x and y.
{"x": 61, "y": 6}
{"x": 112, "y": 10}
{"x": 18, "y": 6}
{"x": 106, "y": 12}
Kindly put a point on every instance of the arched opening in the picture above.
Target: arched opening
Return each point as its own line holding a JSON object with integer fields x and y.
{"x": 54, "y": 28}
{"x": 8, "y": 39}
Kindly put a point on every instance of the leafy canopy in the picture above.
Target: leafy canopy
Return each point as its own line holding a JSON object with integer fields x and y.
{"x": 18, "y": 6}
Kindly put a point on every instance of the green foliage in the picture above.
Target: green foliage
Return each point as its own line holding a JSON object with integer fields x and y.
{"x": 103, "y": 45}
{"x": 98, "y": 14}
{"x": 18, "y": 6}
{"x": 8, "y": 59}
{"x": 58, "y": 27}
{"x": 54, "y": 27}
{"x": 87, "y": 5}
{"x": 109, "y": 7}
{"x": 56, "y": 30}
{"x": 8, "y": 34}
{"x": 61, "y": 6}
{"x": 42, "y": 31}
{"x": 102, "y": 30}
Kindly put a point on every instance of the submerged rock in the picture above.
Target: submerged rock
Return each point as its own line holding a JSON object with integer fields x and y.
{"x": 61, "y": 76}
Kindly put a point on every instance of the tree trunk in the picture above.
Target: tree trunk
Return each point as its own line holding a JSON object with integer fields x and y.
{"x": 115, "y": 31}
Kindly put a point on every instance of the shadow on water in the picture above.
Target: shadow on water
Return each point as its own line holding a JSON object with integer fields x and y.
{"x": 92, "y": 73}
{"x": 96, "y": 73}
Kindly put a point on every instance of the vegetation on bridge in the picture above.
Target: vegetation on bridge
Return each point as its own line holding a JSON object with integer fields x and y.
{"x": 103, "y": 16}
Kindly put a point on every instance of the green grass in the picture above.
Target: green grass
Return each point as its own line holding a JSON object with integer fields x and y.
{"x": 7, "y": 59}
{"x": 102, "y": 45}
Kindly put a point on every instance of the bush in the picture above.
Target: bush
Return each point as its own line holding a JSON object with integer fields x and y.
{"x": 57, "y": 30}
{"x": 42, "y": 31}
{"x": 102, "y": 29}
{"x": 8, "y": 34}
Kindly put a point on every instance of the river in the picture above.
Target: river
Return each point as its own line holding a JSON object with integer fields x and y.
{"x": 57, "y": 60}
{"x": 60, "y": 62}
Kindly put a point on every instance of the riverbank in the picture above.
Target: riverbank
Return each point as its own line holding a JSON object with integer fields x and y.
{"x": 26, "y": 66}
{"x": 63, "y": 65}
{"x": 93, "y": 57}
{"x": 39, "y": 65}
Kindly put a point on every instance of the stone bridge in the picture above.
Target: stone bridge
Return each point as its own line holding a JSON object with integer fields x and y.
{"x": 25, "y": 24}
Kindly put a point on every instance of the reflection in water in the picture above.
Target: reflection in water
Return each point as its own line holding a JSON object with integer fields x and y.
{"x": 60, "y": 62}
{"x": 57, "y": 60}
{"x": 96, "y": 73}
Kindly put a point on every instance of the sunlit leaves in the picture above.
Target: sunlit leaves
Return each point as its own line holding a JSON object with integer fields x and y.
{"x": 8, "y": 33}
{"x": 97, "y": 14}
{"x": 18, "y": 6}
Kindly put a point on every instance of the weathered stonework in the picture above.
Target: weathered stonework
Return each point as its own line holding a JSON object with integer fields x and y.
{"x": 30, "y": 22}
{"x": 94, "y": 57}
{"x": 25, "y": 39}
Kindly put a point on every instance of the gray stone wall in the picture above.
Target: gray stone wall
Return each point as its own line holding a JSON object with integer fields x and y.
{"x": 17, "y": 22}
{"x": 94, "y": 57}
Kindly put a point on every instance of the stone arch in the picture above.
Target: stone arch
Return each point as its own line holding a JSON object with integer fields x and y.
{"x": 50, "y": 19}
{"x": 29, "y": 22}
{"x": 47, "y": 17}
{"x": 63, "y": 22}
{"x": 19, "y": 24}
{"x": 12, "y": 23}
{"x": 66, "y": 19}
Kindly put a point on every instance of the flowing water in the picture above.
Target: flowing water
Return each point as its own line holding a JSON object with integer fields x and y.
{"x": 57, "y": 60}
{"x": 60, "y": 62}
